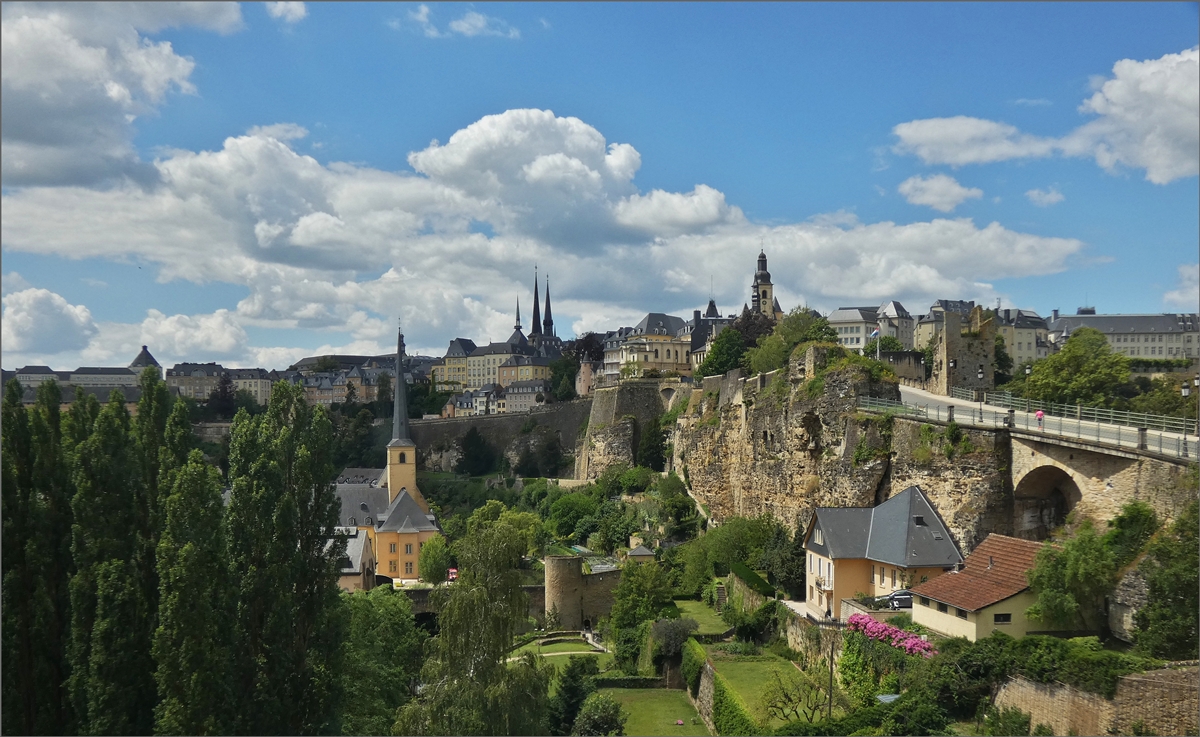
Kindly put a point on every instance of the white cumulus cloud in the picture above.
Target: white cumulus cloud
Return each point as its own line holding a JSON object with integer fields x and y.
{"x": 41, "y": 322}
{"x": 13, "y": 282}
{"x": 941, "y": 192}
{"x": 288, "y": 12}
{"x": 1186, "y": 295}
{"x": 1148, "y": 118}
{"x": 471, "y": 24}
{"x": 1045, "y": 198}
{"x": 75, "y": 75}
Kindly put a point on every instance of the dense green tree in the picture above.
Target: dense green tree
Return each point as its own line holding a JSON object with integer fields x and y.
{"x": 600, "y": 715}
{"x": 1086, "y": 371}
{"x": 550, "y": 458}
{"x": 1168, "y": 626}
{"x": 222, "y": 402}
{"x": 434, "y": 560}
{"x": 384, "y": 396}
{"x": 652, "y": 446}
{"x": 245, "y": 399}
{"x": 1163, "y": 397}
{"x": 382, "y": 660}
{"x": 563, "y": 371}
{"x": 326, "y": 365}
{"x": 568, "y": 509}
{"x": 466, "y": 681}
{"x": 149, "y": 429}
{"x": 885, "y": 343}
{"x": 1130, "y": 530}
{"x": 801, "y": 325}
{"x": 518, "y": 703}
{"x": 192, "y": 640}
{"x": 1002, "y": 363}
{"x": 784, "y": 560}
{"x": 575, "y": 684}
{"x": 1071, "y": 581}
{"x": 111, "y": 681}
{"x": 724, "y": 354}
{"x": 640, "y": 595}
{"x": 477, "y": 455}
{"x": 281, "y": 518}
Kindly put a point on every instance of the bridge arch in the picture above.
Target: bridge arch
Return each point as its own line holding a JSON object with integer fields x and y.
{"x": 1042, "y": 499}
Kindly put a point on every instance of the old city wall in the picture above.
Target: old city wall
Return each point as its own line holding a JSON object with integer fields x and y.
{"x": 1156, "y": 702}
{"x": 617, "y": 415}
{"x": 437, "y": 440}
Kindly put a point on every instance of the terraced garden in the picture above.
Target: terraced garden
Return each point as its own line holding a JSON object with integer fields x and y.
{"x": 710, "y": 622}
{"x": 655, "y": 711}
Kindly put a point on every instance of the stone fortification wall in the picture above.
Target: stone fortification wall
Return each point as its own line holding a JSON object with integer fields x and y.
{"x": 1156, "y": 702}
{"x": 437, "y": 439}
{"x": 971, "y": 348}
{"x": 617, "y": 416}
{"x": 1129, "y": 595}
{"x": 972, "y": 490}
{"x": 579, "y": 598}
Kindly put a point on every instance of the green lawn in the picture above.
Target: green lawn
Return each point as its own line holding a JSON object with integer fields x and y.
{"x": 558, "y": 647}
{"x": 747, "y": 674}
{"x": 560, "y": 660}
{"x": 710, "y": 622}
{"x": 654, "y": 711}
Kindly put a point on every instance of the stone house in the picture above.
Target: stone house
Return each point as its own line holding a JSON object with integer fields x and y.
{"x": 874, "y": 551}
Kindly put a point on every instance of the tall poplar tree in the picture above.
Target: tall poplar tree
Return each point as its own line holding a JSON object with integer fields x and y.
{"x": 111, "y": 682}
{"x": 285, "y": 557}
{"x": 191, "y": 643}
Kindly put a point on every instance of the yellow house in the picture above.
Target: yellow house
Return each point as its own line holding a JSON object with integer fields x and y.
{"x": 989, "y": 594}
{"x": 874, "y": 551}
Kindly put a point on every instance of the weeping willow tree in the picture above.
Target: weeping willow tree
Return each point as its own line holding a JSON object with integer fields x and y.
{"x": 467, "y": 686}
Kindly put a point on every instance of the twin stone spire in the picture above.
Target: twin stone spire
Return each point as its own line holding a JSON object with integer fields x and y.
{"x": 540, "y": 326}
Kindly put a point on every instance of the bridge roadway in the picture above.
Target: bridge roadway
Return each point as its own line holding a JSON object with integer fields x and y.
{"x": 936, "y": 406}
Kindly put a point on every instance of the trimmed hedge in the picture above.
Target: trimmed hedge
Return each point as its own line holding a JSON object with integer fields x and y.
{"x": 752, "y": 579}
{"x": 729, "y": 714}
{"x": 629, "y": 682}
{"x": 694, "y": 659}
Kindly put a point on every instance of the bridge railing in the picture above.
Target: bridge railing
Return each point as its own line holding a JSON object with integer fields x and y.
{"x": 960, "y": 393}
{"x": 1091, "y": 414}
{"x": 1178, "y": 446}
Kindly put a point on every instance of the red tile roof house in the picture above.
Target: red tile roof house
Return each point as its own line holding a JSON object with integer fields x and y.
{"x": 990, "y": 593}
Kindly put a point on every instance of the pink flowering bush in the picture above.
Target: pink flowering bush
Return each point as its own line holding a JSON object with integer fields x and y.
{"x": 910, "y": 643}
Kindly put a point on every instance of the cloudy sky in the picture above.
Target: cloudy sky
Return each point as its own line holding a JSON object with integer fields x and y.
{"x": 254, "y": 183}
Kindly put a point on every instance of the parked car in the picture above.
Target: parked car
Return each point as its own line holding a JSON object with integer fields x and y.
{"x": 901, "y": 599}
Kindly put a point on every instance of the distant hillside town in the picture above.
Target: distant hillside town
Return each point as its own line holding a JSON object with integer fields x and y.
{"x": 527, "y": 369}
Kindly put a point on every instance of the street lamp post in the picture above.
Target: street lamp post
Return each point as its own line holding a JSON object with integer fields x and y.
{"x": 979, "y": 376}
{"x": 1028, "y": 371}
{"x": 1186, "y": 391}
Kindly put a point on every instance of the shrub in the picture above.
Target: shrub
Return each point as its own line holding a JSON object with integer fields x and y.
{"x": 729, "y": 713}
{"x": 670, "y": 634}
{"x": 909, "y": 642}
{"x": 694, "y": 659}
{"x": 752, "y": 579}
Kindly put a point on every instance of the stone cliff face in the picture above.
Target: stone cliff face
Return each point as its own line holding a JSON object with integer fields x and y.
{"x": 617, "y": 416}
{"x": 780, "y": 445}
{"x": 764, "y": 445}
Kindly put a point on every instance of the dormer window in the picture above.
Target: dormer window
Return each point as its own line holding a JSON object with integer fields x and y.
{"x": 818, "y": 537}
{"x": 919, "y": 521}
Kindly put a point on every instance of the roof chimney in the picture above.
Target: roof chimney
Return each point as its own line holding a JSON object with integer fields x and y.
{"x": 1053, "y": 314}
{"x": 991, "y": 562}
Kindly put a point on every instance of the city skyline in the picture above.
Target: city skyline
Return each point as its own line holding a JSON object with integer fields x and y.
{"x": 252, "y": 184}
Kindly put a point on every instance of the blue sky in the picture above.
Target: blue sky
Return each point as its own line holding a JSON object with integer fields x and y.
{"x": 254, "y": 183}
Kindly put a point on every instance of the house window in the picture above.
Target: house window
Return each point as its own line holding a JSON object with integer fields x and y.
{"x": 893, "y": 578}
{"x": 391, "y": 566}
{"x": 924, "y": 601}
{"x": 943, "y": 608}
{"x": 408, "y": 548}
{"x": 960, "y": 613}
{"x": 1002, "y": 619}
{"x": 810, "y": 567}
{"x": 818, "y": 537}
{"x": 810, "y": 592}
{"x": 391, "y": 547}
{"x": 408, "y": 568}
{"x": 872, "y": 574}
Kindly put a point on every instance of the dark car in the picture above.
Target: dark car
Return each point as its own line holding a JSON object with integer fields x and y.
{"x": 901, "y": 599}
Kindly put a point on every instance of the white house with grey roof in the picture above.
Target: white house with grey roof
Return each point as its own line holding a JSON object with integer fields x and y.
{"x": 874, "y": 550}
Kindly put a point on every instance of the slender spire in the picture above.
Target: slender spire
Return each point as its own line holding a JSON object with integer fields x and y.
{"x": 518, "y": 325}
{"x": 548, "y": 322}
{"x": 399, "y": 398}
{"x": 536, "y": 329}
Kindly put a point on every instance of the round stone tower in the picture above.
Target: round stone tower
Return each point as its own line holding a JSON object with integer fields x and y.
{"x": 564, "y": 589}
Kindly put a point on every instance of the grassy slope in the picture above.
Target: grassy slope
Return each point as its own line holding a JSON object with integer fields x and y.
{"x": 654, "y": 711}
{"x": 710, "y": 622}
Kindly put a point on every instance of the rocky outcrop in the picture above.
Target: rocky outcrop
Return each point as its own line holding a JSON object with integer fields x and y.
{"x": 788, "y": 442}
{"x": 779, "y": 444}
{"x": 1129, "y": 595}
{"x": 606, "y": 445}
{"x": 618, "y": 414}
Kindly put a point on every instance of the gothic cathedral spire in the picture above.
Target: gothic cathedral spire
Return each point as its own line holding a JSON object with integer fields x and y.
{"x": 548, "y": 322}
{"x": 536, "y": 328}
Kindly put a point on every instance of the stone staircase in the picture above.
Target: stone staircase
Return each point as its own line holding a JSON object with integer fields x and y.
{"x": 722, "y": 597}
